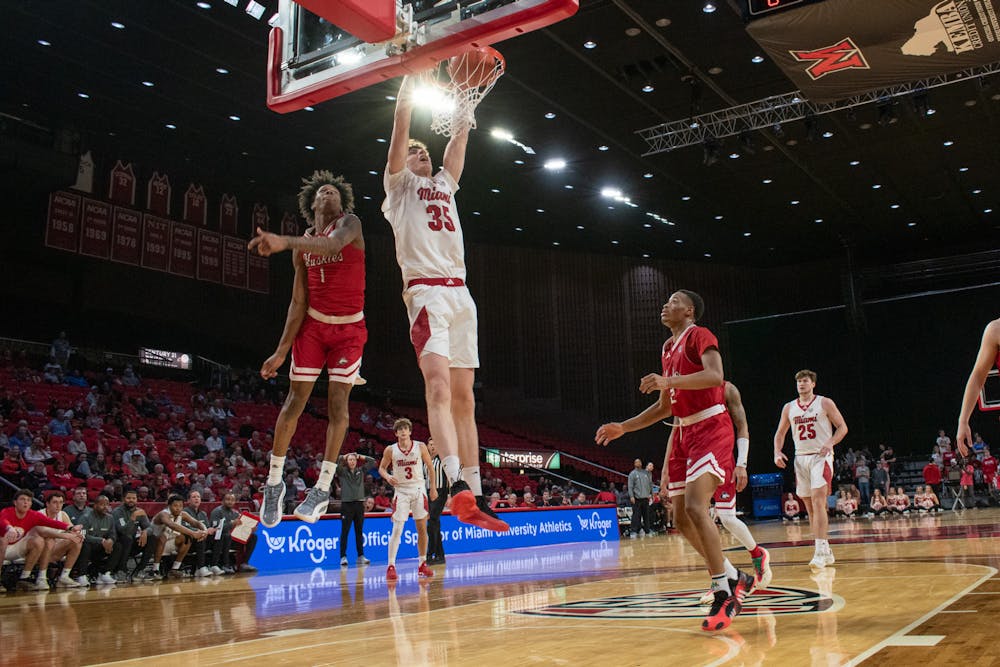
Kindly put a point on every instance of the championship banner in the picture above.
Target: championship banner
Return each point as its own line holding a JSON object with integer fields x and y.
{"x": 297, "y": 545}
{"x": 125, "y": 233}
{"x": 158, "y": 194}
{"x": 121, "y": 189}
{"x": 155, "y": 242}
{"x": 95, "y": 229}
{"x": 261, "y": 218}
{"x": 229, "y": 212}
{"x": 289, "y": 225}
{"x": 62, "y": 226}
{"x": 195, "y": 206}
{"x": 234, "y": 262}
{"x": 839, "y": 48}
{"x": 209, "y": 256}
{"x": 258, "y": 273}
{"x": 519, "y": 458}
{"x": 182, "y": 250}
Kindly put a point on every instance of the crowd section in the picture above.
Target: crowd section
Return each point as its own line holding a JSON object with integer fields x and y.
{"x": 883, "y": 484}
{"x": 109, "y": 438}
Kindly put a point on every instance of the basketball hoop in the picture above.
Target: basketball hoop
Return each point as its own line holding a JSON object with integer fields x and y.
{"x": 461, "y": 85}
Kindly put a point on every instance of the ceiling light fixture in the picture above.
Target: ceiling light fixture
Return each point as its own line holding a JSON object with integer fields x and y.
{"x": 555, "y": 164}
{"x": 767, "y": 181}
{"x": 255, "y": 9}
{"x": 568, "y": 187}
{"x": 647, "y": 175}
{"x": 309, "y": 108}
{"x": 234, "y": 118}
{"x": 590, "y": 45}
{"x": 44, "y": 42}
{"x": 550, "y": 115}
{"x": 602, "y": 147}
{"x": 310, "y": 148}
{"x": 83, "y": 96}
{"x": 948, "y": 143}
{"x": 171, "y": 126}
{"x": 854, "y": 163}
{"x": 708, "y": 8}
{"x": 756, "y": 60}
{"x": 203, "y": 5}
{"x": 148, "y": 84}
{"x": 117, "y": 25}
{"x": 648, "y": 88}
{"x": 495, "y": 190}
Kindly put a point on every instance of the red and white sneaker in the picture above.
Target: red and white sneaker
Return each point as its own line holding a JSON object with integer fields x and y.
{"x": 463, "y": 506}
{"x": 425, "y": 571}
{"x": 390, "y": 573}
{"x": 762, "y": 569}
{"x": 725, "y": 608}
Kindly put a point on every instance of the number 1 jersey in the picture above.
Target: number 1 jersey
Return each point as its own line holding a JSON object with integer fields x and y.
{"x": 424, "y": 219}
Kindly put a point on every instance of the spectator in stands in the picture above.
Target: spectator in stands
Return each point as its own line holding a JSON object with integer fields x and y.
{"x": 13, "y": 466}
{"x": 99, "y": 465}
{"x": 640, "y": 488}
{"x": 193, "y": 510}
{"x": 37, "y": 479}
{"x": 581, "y": 499}
{"x": 966, "y": 481}
{"x": 382, "y": 501}
{"x": 27, "y": 539}
{"x": 61, "y": 477}
{"x": 129, "y": 377}
{"x": 99, "y": 542}
{"x": 59, "y": 425}
{"x": 180, "y": 486}
{"x": 943, "y": 441}
{"x": 52, "y": 373}
{"x": 932, "y": 475}
{"x": 880, "y": 477}
{"x": 76, "y": 445}
{"x": 135, "y": 461}
{"x": 370, "y": 505}
{"x": 862, "y": 477}
{"x": 22, "y": 436}
{"x": 81, "y": 467}
{"x": 37, "y": 453}
{"x": 499, "y": 502}
{"x": 224, "y": 518}
{"x": 606, "y": 495}
{"x": 59, "y": 545}
{"x": 528, "y": 500}
{"x": 978, "y": 446}
{"x": 214, "y": 442}
{"x": 60, "y": 350}
{"x": 173, "y": 538}
{"x": 218, "y": 413}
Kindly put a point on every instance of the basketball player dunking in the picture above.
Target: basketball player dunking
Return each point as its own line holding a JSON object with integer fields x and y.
{"x": 989, "y": 356}
{"x": 407, "y": 457}
{"x": 817, "y": 426}
{"x": 325, "y": 326}
{"x": 420, "y": 206}
{"x": 700, "y": 455}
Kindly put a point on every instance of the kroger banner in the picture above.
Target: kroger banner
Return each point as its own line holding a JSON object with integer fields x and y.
{"x": 837, "y": 48}
{"x": 296, "y": 545}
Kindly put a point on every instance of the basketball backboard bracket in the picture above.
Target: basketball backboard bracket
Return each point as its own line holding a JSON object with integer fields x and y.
{"x": 311, "y": 60}
{"x": 989, "y": 397}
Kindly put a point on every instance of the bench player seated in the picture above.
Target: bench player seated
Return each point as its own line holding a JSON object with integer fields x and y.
{"x": 173, "y": 537}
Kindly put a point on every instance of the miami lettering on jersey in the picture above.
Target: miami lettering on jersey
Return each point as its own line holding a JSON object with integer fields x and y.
{"x": 430, "y": 194}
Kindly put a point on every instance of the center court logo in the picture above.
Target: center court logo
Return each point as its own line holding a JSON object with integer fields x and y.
{"x": 684, "y": 604}
{"x": 302, "y": 541}
{"x": 594, "y": 522}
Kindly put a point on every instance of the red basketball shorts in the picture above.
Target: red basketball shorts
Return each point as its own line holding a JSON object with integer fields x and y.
{"x": 336, "y": 346}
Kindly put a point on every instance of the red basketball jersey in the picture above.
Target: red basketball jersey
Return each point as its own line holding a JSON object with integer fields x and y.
{"x": 683, "y": 357}
{"x": 336, "y": 284}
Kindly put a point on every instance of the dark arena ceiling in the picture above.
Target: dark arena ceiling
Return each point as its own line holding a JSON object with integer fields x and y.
{"x": 916, "y": 185}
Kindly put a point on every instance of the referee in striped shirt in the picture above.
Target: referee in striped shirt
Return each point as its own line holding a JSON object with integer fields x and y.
{"x": 435, "y": 548}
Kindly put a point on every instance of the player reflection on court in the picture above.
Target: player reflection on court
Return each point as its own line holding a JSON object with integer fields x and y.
{"x": 45, "y": 631}
{"x": 826, "y": 649}
{"x": 413, "y": 644}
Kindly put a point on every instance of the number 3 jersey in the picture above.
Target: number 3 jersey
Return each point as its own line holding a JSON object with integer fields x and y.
{"x": 408, "y": 466}
{"x": 811, "y": 427}
{"x": 424, "y": 219}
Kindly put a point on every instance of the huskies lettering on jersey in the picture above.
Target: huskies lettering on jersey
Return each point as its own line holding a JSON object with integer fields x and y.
{"x": 319, "y": 260}
{"x": 840, "y": 56}
{"x": 430, "y": 194}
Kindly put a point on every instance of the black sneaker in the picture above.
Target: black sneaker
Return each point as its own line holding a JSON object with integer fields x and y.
{"x": 742, "y": 585}
{"x": 458, "y": 487}
{"x": 725, "y": 608}
{"x": 485, "y": 508}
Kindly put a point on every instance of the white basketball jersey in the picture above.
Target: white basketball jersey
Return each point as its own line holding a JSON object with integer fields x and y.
{"x": 408, "y": 467}
{"x": 811, "y": 427}
{"x": 424, "y": 219}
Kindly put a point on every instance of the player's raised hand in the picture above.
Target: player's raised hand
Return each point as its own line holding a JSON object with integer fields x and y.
{"x": 780, "y": 459}
{"x": 270, "y": 367}
{"x": 267, "y": 243}
{"x": 652, "y": 382}
{"x": 608, "y": 432}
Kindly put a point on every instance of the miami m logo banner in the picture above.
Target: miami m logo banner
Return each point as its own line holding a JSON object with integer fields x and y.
{"x": 840, "y": 56}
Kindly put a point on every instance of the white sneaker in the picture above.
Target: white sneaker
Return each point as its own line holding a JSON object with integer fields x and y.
{"x": 818, "y": 563}
{"x": 203, "y": 572}
{"x": 828, "y": 557}
{"x": 66, "y": 581}
{"x": 106, "y": 578}
{"x": 343, "y": 561}
{"x": 41, "y": 584}
{"x": 707, "y": 598}
{"x": 216, "y": 570}
{"x": 82, "y": 580}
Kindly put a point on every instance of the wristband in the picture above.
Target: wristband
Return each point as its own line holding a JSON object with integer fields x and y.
{"x": 742, "y": 450}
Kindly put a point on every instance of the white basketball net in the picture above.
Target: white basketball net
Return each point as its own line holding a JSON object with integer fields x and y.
{"x": 453, "y": 102}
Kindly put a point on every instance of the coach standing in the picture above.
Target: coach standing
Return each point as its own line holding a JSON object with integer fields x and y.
{"x": 640, "y": 488}
{"x": 351, "y": 472}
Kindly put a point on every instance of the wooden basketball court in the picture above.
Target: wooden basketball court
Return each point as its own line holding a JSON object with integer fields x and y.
{"x": 916, "y": 590}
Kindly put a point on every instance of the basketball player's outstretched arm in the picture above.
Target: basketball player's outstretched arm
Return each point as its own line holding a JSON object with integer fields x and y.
{"x": 838, "y": 424}
{"x": 349, "y": 231}
{"x": 454, "y": 154}
{"x": 425, "y": 454}
{"x": 400, "y": 139}
{"x": 293, "y": 321}
{"x": 779, "y": 438}
{"x": 984, "y": 362}
{"x": 656, "y": 412}
{"x": 734, "y": 404}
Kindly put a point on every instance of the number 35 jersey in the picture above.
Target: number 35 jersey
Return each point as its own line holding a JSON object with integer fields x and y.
{"x": 424, "y": 219}
{"x": 811, "y": 427}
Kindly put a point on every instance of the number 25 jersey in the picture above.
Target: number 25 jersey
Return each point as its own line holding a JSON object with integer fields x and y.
{"x": 424, "y": 219}
{"x": 811, "y": 427}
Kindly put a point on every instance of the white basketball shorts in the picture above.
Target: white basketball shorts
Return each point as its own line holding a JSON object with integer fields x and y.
{"x": 443, "y": 320}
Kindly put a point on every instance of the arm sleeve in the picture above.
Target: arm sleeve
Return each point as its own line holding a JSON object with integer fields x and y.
{"x": 631, "y": 485}
{"x": 86, "y": 521}
{"x": 39, "y": 519}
